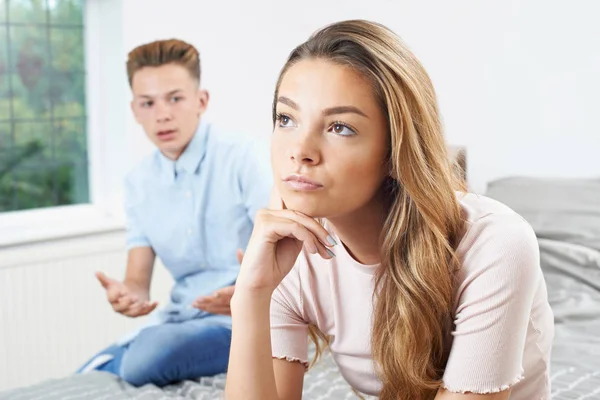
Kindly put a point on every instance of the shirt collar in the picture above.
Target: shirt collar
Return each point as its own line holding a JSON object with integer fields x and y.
{"x": 191, "y": 158}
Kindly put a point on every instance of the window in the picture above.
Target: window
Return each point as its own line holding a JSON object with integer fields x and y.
{"x": 90, "y": 133}
{"x": 43, "y": 138}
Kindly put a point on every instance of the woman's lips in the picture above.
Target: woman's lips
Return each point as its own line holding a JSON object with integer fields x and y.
{"x": 301, "y": 183}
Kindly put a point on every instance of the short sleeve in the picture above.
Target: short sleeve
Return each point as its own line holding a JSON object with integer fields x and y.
{"x": 497, "y": 282}
{"x": 256, "y": 178}
{"x": 289, "y": 329}
{"x": 135, "y": 236}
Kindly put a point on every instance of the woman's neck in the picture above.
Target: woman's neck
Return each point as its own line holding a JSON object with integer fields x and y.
{"x": 360, "y": 232}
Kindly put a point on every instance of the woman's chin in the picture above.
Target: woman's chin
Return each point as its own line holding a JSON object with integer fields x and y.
{"x": 310, "y": 207}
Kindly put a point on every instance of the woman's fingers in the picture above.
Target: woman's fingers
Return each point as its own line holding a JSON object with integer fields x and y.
{"x": 285, "y": 227}
{"x": 324, "y": 252}
{"x": 277, "y": 239}
{"x": 311, "y": 224}
{"x": 301, "y": 232}
{"x": 320, "y": 240}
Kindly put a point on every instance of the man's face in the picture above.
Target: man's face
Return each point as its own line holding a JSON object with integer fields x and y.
{"x": 168, "y": 103}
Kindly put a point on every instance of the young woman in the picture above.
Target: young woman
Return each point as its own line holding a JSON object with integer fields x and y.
{"x": 420, "y": 290}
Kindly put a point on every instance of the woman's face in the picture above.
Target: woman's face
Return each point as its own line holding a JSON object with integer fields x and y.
{"x": 330, "y": 140}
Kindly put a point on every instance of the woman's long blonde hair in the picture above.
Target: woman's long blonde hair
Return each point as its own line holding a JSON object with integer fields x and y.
{"x": 414, "y": 286}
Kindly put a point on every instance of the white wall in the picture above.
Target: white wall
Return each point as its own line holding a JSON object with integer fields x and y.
{"x": 518, "y": 81}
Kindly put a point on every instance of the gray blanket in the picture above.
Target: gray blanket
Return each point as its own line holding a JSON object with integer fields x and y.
{"x": 323, "y": 382}
{"x": 572, "y": 273}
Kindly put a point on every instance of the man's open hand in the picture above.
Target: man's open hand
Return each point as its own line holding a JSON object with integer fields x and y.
{"x": 219, "y": 301}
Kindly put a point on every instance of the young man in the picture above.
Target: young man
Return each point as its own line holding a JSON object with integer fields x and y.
{"x": 192, "y": 204}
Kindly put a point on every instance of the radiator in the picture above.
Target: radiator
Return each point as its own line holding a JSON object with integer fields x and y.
{"x": 53, "y": 313}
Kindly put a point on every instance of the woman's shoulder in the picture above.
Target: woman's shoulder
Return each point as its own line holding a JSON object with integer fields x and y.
{"x": 493, "y": 231}
{"x": 475, "y": 206}
{"x": 490, "y": 215}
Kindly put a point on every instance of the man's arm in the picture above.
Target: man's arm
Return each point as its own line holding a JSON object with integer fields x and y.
{"x": 140, "y": 265}
{"x": 140, "y": 256}
{"x": 131, "y": 296}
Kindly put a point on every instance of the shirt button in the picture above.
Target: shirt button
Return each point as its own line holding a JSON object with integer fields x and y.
{"x": 189, "y": 232}
{"x": 188, "y": 194}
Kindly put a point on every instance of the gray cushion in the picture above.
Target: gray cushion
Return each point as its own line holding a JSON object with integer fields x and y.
{"x": 559, "y": 209}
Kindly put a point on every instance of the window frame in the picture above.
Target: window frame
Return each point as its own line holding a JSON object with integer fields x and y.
{"x": 109, "y": 145}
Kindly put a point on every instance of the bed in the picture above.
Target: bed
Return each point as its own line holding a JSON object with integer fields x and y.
{"x": 565, "y": 214}
{"x": 566, "y": 217}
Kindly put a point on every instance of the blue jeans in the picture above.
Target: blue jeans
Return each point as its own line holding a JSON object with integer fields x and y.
{"x": 170, "y": 352}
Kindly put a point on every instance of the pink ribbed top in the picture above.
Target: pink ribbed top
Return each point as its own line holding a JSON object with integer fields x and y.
{"x": 503, "y": 323}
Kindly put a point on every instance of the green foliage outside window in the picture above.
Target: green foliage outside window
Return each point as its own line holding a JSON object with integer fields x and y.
{"x": 43, "y": 143}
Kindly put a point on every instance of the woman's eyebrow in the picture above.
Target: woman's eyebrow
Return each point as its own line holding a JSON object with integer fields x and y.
{"x": 326, "y": 112}
{"x": 344, "y": 110}
{"x": 288, "y": 102}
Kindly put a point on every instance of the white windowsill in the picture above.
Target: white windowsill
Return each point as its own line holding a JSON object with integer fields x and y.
{"x": 48, "y": 224}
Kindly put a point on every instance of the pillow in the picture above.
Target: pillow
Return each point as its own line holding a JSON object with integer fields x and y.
{"x": 560, "y": 209}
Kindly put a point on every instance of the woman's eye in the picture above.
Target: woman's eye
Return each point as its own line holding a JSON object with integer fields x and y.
{"x": 285, "y": 121}
{"x": 341, "y": 129}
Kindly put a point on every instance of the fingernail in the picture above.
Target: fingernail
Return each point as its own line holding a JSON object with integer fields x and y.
{"x": 331, "y": 254}
{"x": 331, "y": 240}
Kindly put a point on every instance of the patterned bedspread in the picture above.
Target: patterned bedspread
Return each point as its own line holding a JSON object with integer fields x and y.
{"x": 569, "y": 382}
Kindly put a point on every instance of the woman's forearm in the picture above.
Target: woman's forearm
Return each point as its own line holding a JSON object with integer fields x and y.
{"x": 250, "y": 375}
